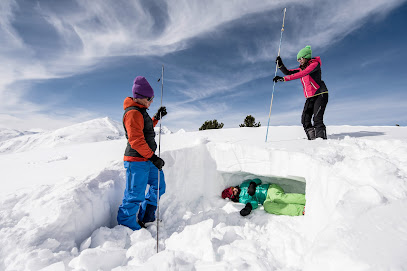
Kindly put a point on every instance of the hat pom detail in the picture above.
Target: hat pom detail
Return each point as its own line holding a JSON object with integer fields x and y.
{"x": 305, "y": 52}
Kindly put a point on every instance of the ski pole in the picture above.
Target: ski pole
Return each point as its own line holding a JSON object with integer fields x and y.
{"x": 159, "y": 155}
{"x": 275, "y": 73}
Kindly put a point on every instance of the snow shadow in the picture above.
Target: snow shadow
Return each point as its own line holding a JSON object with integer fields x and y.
{"x": 290, "y": 184}
{"x": 356, "y": 134}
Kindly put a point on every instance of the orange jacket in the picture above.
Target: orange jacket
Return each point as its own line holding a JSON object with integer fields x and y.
{"x": 134, "y": 123}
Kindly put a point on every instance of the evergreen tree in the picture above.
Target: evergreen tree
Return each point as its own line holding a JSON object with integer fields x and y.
{"x": 250, "y": 121}
{"x": 211, "y": 124}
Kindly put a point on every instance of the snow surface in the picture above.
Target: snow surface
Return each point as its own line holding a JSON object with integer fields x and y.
{"x": 90, "y": 131}
{"x": 60, "y": 197}
{"x": 6, "y": 133}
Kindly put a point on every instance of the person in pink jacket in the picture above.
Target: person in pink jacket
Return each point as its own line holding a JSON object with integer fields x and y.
{"x": 315, "y": 91}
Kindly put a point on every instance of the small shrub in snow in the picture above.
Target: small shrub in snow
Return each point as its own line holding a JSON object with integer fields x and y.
{"x": 211, "y": 124}
{"x": 250, "y": 121}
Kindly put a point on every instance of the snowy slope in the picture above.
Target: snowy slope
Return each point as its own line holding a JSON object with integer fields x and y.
{"x": 90, "y": 131}
{"x": 164, "y": 130}
{"x": 6, "y": 133}
{"x": 356, "y": 190}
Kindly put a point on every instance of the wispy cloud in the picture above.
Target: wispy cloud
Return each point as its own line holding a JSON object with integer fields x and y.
{"x": 219, "y": 84}
{"x": 106, "y": 28}
{"x": 87, "y": 32}
{"x": 44, "y": 120}
{"x": 371, "y": 111}
{"x": 193, "y": 115}
{"x": 318, "y": 23}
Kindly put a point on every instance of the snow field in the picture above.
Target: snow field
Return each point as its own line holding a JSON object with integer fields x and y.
{"x": 356, "y": 194}
{"x": 89, "y": 131}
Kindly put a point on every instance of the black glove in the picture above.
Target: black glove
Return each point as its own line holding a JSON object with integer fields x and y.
{"x": 278, "y": 79}
{"x": 246, "y": 210}
{"x": 161, "y": 110}
{"x": 157, "y": 161}
{"x": 279, "y": 62}
{"x": 252, "y": 188}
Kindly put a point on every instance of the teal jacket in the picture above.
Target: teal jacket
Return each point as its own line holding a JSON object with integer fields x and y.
{"x": 259, "y": 196}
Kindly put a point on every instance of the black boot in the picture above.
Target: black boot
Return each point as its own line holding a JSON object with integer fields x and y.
{"x": 147, "y": 215}
{"x": 320, "y": 133}
{"x": 310, "y": 133}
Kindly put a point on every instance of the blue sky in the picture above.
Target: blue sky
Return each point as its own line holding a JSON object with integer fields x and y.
{"x": 65, "y": 62}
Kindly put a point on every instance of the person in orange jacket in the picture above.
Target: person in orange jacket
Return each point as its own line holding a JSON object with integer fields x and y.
{"x": 141, "y": 163}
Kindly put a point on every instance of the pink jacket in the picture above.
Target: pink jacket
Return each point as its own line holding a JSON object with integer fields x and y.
{"x": 310, "y": 77}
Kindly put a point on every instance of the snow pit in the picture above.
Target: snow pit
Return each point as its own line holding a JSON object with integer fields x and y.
{"x": 356, "y": 189}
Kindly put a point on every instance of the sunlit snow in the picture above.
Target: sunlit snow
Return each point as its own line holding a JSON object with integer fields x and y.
{"x": 60, "y": 191}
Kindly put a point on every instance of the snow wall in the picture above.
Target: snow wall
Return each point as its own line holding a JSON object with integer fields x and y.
{"x": 53, "y": 224}
{"x": 59, "y": 218}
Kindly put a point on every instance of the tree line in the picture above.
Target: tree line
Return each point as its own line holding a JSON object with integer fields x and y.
{"x": 249, "y": 121}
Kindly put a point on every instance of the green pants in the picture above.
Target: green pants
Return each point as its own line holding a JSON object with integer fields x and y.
{"x": 279, "y": 203}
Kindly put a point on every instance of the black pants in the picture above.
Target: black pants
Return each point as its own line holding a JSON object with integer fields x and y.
{"x": 315, "y": 106}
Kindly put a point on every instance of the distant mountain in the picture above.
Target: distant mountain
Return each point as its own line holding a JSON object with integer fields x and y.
{"x": 6, "y": 134}
{"x": 164, "y": 130}
{"x": 90, "y": 131}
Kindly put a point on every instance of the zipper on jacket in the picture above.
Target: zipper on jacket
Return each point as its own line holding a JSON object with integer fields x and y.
{"x": 312, "y": 84}
{"x": 303, "y": 85}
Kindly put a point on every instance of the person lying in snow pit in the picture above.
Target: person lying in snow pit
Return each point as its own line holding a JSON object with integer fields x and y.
{"x": 271, "y": 196}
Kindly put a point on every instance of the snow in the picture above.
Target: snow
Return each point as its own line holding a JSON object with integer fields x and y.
{"x": 6, "y": 133}
{"x": 164, "y": 130}
{"x": 90, "y": 131}
{"x": 59, "y": 200}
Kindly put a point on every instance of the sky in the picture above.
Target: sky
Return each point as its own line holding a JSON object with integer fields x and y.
{"x": 64, "y": 62}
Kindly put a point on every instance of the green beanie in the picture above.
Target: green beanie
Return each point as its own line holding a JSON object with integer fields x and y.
{"x": 305, "y": 52}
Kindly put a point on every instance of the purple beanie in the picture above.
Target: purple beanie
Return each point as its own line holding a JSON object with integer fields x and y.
{"x": 142, "y": 87}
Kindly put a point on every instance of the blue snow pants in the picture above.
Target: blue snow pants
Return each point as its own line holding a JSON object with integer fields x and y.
{"x": 138, "y": 205}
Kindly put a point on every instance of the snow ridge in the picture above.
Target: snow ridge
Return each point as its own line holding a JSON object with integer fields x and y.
{"x": 90, "y": 131}
{"x": 6, "y": 134}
